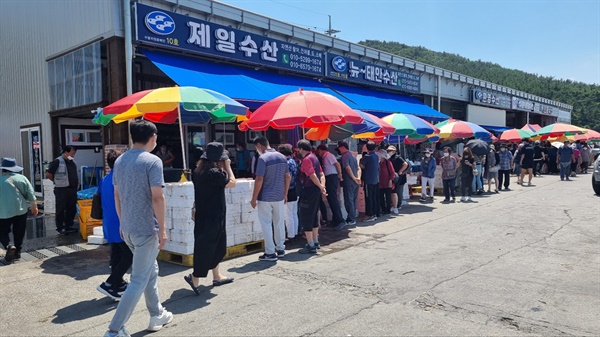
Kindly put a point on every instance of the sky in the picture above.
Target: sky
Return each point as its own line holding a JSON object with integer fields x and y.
{"x": 550, "y": 38}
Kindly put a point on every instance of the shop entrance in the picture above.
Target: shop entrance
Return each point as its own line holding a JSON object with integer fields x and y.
{"x": 31, "y": 149}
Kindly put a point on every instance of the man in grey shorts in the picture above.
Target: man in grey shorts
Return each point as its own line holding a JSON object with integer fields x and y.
{"x": 140, "y": 204}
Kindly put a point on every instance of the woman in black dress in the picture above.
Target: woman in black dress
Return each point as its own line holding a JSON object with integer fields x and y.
{"x": 212, "y": 175}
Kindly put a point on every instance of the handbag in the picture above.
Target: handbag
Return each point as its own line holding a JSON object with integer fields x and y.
{"x": 96, "y": 212}
{"x": 495, "y": 168}
{"x": 475, "y": 171}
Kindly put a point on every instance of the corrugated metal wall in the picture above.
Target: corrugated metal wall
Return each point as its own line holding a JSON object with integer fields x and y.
{"x": 32, "y": 31}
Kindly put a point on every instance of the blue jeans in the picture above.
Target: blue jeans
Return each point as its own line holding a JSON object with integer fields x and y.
{"x": 477, "y": 183}
{"x": 350, "y": 195}
{"x": 144, "y": 276}
{"x": 565, "y": 170}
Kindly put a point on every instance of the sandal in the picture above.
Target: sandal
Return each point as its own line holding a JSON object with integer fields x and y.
{"x": 217, "y": 283}
{"x": 189, "y": 280}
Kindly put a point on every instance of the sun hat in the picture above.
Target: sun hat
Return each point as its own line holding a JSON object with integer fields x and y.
{"x": 391, "y": 148}
{"x": 10, "y": 164}
{"x": 215, "y": 151}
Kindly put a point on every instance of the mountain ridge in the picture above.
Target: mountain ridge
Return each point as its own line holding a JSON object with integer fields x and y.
{"x": 585, "y": 98}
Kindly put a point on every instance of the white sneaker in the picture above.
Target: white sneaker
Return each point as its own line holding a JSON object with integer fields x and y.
{"x": 395, "y": 210}
{"x": 120, "y": 333}
{"x": 157, "y": 322}
{"x": 469, "y": 199}
{"x": 463, "y": 199}
{"x": 404, "y": 203}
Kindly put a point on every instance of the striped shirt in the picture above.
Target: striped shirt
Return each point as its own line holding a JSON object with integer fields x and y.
{"x": 272, "y": 166}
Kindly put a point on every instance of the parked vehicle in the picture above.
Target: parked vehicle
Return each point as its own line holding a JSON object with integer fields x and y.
{"x": 596, "y": 176}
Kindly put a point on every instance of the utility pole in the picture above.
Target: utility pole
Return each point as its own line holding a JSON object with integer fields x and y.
{"x": 331, "y": 31}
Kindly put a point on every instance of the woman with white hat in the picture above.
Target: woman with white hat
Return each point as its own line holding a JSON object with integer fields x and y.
{"x": 15, "y": 194}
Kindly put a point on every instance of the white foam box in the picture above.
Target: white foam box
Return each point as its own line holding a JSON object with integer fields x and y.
{"x": 181, "y": 236}
{"x": 96, "y": 240}
{"x": 258, "y": 236}
{"x": 239, "y": 239}
{"x": 181, "y": 213}
{"x": 249, "y": 217}
{"x": 179, "y": 194}
{"x": 183, "y": 225}
{"x": 242, "y": 228}
{"x": 256, "y": 227}
{"x": 411, "y": 179}
{"x": 178, "y": 247}
{"x": 98, "y": 231}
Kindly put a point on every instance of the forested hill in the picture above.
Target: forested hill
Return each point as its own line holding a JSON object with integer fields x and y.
{"x": 585, "y": 98}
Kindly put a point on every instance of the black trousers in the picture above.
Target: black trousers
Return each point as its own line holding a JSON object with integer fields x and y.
{"x": 466, "y": 185}
{"x": 503, "y": 176}
{"x": 308, "y": 206}
{"x": 385, "y": 200}
{"x": 18, "y": 224}
{"x": 66, "y": 201}
{"x": 331, "y": 185}
{"x": 120, "y": 261}
{"x": 449, "y": 188}
{"x": 372, "y": 200}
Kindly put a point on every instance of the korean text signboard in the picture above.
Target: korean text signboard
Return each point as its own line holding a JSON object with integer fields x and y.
{"x": 521, "y": 104}
{"x": 544, "y": 109}
{"x": 495, "y": 100}
{"x": 180, "y": 32}
{"x": 352, "y": 70}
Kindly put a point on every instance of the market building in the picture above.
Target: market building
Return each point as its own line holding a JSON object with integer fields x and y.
{"x": 80, "y": 56}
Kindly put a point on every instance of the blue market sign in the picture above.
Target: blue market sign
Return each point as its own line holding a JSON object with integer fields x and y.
{"x": 356, "y": 71}
{"x": 495, "y": 100}
{"x": 175, "y": 31}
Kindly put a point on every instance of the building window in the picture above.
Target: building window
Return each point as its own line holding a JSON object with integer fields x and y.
{"x": 75, "y": 79}
{"x": 83, "y": 137}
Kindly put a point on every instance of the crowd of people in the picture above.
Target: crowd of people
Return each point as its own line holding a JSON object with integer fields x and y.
{"x": 292, "y": 185}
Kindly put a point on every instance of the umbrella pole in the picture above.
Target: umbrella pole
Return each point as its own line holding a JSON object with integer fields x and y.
{"x": 303, "y": 132}
{"x": 185, "y": 166}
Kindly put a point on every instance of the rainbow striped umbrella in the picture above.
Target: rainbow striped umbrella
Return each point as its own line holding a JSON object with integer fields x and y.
{"x": 515, "y": 135}
{"x": 406, "y": 124}
{"x": 442, "y": 123}
{"x": 559, "y": 129}
{"x": 460, "y": 129}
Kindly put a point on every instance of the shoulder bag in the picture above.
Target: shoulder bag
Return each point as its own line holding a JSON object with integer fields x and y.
{"x": 96, "y": 212}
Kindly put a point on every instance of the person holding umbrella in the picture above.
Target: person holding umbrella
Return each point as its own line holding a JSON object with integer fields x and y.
{"x": 493, "y": 168}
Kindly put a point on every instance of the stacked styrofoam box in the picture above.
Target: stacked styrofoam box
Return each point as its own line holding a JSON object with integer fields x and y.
{"x": 98, "y": 236}
{"x": 241, "y": 220}
{"x": 49, "y": 199}
{"x": 180, "y": 226}
{"x": 439, "y": 182}
{"x": 242, "y": 225}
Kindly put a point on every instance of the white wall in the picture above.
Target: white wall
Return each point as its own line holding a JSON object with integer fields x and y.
{"x": 32, "y": 31}
{"x": 486, "y": 116}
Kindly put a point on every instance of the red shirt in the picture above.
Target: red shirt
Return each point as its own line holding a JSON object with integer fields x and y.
{"x": 386, "y": 173}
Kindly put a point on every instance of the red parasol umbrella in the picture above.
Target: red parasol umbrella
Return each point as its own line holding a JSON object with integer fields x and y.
{"x": 307, "y": 109}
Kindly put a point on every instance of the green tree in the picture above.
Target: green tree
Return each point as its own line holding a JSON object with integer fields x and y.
{"x": 585, "y": 98}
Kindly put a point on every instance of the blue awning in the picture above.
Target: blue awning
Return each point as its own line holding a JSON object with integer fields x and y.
{"x": 254, "y": 87}
{"x": 381, "y": 103}
{"x": 495, "y": 129}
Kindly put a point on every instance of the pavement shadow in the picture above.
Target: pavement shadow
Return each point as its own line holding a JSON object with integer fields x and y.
{"x": 417, "y": 208}
{"x": 297, "y": 257}
{"x": 167, "y": 269}
{"x": 253, "y": 267}
{"x": 185, "y": 300}
{"x": 84, "y": 310}
{"x": 79, "y": 265}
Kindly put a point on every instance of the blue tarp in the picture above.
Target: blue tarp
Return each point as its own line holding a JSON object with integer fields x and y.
{"x": 254, "y": 87}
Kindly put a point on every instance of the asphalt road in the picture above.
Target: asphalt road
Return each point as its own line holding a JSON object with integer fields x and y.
{"x": 523, "y": 262}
